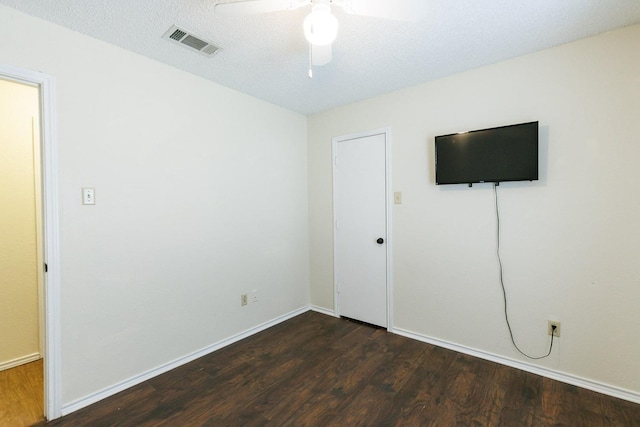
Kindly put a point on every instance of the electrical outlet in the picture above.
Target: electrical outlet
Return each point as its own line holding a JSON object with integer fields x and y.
{"x": 243, "y": 299}
{"x": 550, "y": 330}
{"x": 253, "y": 296}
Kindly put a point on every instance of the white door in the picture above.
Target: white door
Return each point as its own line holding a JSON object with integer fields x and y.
{"x": 360, "y": 210}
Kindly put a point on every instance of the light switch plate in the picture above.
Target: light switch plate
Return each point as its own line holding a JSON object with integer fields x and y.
{"x": 397, "y": 198}
{"x": 88, "y": 196}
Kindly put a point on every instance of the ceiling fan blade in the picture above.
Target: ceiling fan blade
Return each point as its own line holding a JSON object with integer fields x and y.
{"x": 400, "y": 10}
{"x": 321, "y": 55}
{"x": 253, "y": 7}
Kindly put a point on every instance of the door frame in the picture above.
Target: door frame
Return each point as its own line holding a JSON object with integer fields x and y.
{"x": 386, "y": 131}
{"x": 50, "y": 232}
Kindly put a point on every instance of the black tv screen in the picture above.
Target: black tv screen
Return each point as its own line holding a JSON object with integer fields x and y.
{"x": 507, "y": 153}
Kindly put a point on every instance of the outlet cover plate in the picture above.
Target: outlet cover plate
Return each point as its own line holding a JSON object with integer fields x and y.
{"x": 556, "y": 333}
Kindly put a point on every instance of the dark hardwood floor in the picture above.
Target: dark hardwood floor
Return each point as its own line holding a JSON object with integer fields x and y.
{"x": 316, "y": 370}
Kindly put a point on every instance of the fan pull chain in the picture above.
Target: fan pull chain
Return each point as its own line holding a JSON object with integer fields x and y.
{"x": 310, "y": 61}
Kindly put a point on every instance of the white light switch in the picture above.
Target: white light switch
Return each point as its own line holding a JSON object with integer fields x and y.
{"x": 397, "y": 198}
{"x": 88, "y": 196}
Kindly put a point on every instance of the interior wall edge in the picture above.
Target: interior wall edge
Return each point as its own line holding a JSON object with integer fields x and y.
{"x": 19, "y": 361}
{"x": 577, "y": 381}
{"x": 328, "y": 311}
{"x": 133, "y": 381}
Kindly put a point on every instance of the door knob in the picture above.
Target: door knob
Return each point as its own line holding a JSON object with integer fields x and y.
{"x": 380, "y": 241}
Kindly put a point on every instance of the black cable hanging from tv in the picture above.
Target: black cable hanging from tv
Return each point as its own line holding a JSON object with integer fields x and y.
{"x": 504, "y": 292}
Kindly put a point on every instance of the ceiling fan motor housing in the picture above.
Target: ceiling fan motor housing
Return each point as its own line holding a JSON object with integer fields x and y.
{"x": 320, "y": 26}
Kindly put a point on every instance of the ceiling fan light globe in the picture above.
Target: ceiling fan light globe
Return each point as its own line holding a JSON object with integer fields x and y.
{"x": 320, "y": 26}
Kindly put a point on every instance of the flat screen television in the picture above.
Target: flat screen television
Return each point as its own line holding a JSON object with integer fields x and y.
{"x": 507, "y": 153}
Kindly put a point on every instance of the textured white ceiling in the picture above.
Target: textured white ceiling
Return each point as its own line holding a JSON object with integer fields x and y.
{"x": 267, "y": 56}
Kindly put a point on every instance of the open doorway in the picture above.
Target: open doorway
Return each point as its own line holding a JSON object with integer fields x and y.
{"x": 29, "y": 256}
{"x": 21, "y": 255}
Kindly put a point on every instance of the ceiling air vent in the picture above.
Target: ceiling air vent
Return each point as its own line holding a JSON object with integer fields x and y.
{"x": 184, "y": 38}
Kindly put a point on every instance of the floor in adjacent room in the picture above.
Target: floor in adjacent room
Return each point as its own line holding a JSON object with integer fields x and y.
{"x": 317, "y": 370}
{"x": 22, "y": 395}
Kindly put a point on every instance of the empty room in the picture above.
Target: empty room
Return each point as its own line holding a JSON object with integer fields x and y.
{"x": 314, "y": 212}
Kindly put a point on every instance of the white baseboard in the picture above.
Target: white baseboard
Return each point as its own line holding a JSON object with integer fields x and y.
{"x": 19, "y": 361}
{"x": 545, "y": 372}
{"x": 117, "y": 388}
{"x": 322, "y": 310}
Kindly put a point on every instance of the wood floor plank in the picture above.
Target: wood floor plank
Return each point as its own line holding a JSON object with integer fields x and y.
{"x": 559, "y": 403}
{"x": 376, "y": 402}
{"x": 22, "y": 395}
{"x": 268, "y": 370}
{"x": 522, "y": 398}
{"x": 421, "y": 398}
{"x": 333, "y": 383}
{"x": 316, "y": 370}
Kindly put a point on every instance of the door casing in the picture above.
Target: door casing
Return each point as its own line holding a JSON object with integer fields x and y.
{"x": 388, "y": 205}
{"x": 50, "y": 232}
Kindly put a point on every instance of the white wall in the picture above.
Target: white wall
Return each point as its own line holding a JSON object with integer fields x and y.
{"x": 19, "y": 317}
{"x": 201, "y": 195}
{"x": 570, "y": 241}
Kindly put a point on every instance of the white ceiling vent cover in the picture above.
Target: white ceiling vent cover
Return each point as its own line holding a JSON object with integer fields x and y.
{"x": 184, "y": 38}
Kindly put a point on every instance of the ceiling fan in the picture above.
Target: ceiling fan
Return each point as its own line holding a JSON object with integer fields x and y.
{"x": 321, "y": 26}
